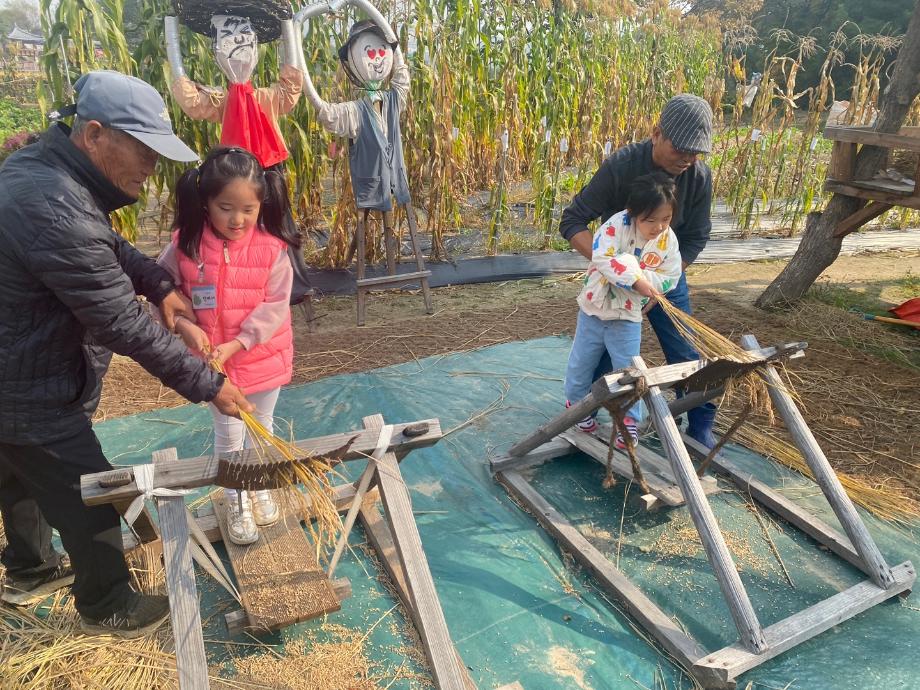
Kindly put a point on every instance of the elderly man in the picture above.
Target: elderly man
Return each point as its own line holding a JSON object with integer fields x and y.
{"x": 68, "y": 299}
{"x": 683, "y": 132}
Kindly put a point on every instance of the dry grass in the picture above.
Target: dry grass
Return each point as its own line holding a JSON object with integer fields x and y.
{"x": 884, "y": 500}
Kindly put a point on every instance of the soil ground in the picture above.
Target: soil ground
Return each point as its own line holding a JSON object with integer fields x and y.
{"x": 859, "y": 382}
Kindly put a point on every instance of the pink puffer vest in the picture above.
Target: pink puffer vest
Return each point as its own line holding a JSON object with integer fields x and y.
{"x": 240, "y": 270}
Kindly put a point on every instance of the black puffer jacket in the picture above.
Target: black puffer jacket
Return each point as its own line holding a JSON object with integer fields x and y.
{"x": 68, "y": 296}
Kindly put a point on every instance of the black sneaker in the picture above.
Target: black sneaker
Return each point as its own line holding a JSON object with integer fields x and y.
{"x": 143, "y": 613}
{"x": 29, "y": 589}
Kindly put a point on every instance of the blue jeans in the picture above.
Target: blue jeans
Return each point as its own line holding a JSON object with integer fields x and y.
{"x": 595, "y": 338}
{"x": 675, "y": 348}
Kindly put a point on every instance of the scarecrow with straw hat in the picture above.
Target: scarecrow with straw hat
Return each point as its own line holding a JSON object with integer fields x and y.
{"x": 248, "y": 116}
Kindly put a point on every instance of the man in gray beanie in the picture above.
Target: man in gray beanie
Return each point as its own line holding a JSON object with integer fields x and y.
{"x": 683, "y": 133}
{"x": 68, "y": 300}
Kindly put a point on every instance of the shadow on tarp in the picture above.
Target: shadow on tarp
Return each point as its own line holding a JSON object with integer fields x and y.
{"x": 515, "y": 611}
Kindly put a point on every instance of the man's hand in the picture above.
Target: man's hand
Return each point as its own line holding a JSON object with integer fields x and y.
{"x": 649, "y": 305}
{"x": 582, "y": 242}
{"x": 173, "y": 305}
{"x": 230, "y": 400}
{"x": 192, "y": 335}
{"x": 225, "y": 351}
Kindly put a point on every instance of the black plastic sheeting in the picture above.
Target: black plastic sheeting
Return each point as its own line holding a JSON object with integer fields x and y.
{"x": 486, "y": 269}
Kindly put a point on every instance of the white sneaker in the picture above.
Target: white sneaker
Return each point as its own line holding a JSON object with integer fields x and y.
{"x": 241, "y": 524}
{"x": 264, "y": 509}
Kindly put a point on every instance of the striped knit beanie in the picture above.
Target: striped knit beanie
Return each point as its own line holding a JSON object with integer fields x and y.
{"x": 687, "y": 121}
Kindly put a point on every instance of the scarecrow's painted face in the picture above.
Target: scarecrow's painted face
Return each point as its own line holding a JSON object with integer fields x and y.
{"x": 236, "y": 47}
{"x": 371, "y": 58}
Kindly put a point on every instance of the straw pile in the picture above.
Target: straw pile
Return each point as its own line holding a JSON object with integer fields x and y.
{"x": 44, "y": 649}
{"x": 884, "y": 501}
{"x": 310, "y": 663}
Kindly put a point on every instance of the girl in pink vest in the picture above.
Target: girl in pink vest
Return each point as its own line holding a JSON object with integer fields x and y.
{"x": 229, "y": 256}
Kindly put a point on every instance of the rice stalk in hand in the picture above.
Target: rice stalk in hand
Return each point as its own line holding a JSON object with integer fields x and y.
{"x": 711, "y": 345}
{"x": 314, "y": 473}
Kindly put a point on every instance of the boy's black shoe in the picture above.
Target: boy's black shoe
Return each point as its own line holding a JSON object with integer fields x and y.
{"x": 142, "y": 613}
{"x": 28, "y": 589}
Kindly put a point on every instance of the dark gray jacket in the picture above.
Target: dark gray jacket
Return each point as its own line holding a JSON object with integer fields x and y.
{"x": 608, "y": 190}
{"x": 378, "y": 171}
{"x": 68, "y": 296}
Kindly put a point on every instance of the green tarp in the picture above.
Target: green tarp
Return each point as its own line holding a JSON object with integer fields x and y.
{"x": 516, "y": 610}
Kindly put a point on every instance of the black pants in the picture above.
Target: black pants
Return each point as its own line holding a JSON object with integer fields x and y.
{"x": 40, "y": 489}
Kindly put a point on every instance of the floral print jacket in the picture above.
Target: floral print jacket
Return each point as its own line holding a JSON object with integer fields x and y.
{"x": 619, "y": 258}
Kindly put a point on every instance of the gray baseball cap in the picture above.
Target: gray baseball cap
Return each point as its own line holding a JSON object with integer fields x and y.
{"x": 131, "y": 105}
{"x": 687, "y": 121}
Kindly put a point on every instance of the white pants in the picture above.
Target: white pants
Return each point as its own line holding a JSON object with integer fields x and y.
{"x": 230, "y": 433}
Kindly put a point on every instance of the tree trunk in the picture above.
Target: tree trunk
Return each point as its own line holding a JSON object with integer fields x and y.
{"x": 819, "y": 248}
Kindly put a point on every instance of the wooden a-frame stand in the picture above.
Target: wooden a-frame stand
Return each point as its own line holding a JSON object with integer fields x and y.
{"x": 392, "y": 279}
{"x": 756, "y": 644}
{"x": 385, "y": 512}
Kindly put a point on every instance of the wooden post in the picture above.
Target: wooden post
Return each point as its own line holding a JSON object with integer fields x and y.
{"x": 389, "y": 241}
{"x": 843, "y": 161}
{"x": 360, "y": 232}
{"x": 825, "y": 476}
{"x": 432, "y": 628}
{"x": 419, "y": 260}
{"x": 184, "y": 614}
{"x": 749, "y": 630}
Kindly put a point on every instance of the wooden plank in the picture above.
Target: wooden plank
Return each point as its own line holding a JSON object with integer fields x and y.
{"x": 556, "y": 448}
{"x": 342, "y": 496}
{"x": 381, "y": 539}
{"x": 824, "y": 474}
{"x": 663, "y": 489}
{"x": 665, "y": 630}
{"x": 392, "y": 281}
{"x": 279, "y": 580}
{"x": 621, "y": 383}
{"x": 734, "y": 660}
{"x": 780, "y": 505}
{"x": 617, "y": 384}
{"x": 432, "y": 627}
{"x": 887, "y": 186}
{"x": 717, "y": 552}
{"x": 184, "y": 613}
{"x": 855, "y": 221}
{"x": 238, "y": 621}
{"x": 201, "y": 471}
{"x": 905, "y": 140}
{"x": 872, "y": 194}
{"x": 548, "y": 431}
{"x": 843, "y": 161}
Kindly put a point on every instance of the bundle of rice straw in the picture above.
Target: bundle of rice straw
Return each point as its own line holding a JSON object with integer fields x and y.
{"x": 315, "y": 474}
{"x": 884, "y": 502}
{"x": 711, "y": 345}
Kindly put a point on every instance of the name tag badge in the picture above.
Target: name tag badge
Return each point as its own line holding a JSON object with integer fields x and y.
{"x": 204, "y": 297}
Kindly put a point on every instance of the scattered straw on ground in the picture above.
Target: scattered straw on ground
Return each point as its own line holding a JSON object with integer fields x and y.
{"x": 681, "y": 540}
{"x": 339, "y": 661}
{"x": 43, "y": 648}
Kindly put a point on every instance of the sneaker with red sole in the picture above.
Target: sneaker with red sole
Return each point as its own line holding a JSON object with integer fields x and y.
{"x": 632, "y": 428}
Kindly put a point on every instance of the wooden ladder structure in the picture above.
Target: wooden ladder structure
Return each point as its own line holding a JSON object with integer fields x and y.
{"x": 392, "y": 279}
{"x": 385, "y": 512}
{"x": 756, "y": 644}
{"x": 877, "y": 195}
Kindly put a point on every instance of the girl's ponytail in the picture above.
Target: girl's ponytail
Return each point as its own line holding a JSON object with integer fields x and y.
{"x": 276, "y": 210}
{"x": 190, "y": 213}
